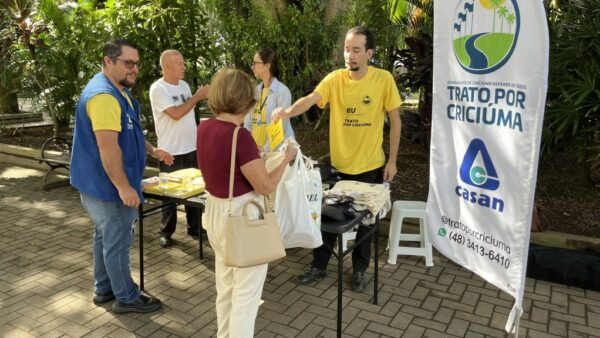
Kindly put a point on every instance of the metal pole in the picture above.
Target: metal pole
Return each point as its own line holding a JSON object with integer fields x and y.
{"x": 376, "y": 242}
{"x": 340, "y": 258}
{"x": 141, "y": 234}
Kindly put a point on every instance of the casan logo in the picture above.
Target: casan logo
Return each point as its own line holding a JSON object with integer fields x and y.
{"x": 477, "y": 170}
{"x": 485, "y": 34}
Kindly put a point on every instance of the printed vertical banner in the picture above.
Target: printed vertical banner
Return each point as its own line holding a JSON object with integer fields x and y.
{"x": 489, "y": 90}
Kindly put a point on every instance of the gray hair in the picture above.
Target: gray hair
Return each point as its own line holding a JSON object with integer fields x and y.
{"x": 165, "y": 54}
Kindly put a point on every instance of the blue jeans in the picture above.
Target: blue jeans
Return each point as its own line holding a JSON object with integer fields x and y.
{"x": 113, "y": 225}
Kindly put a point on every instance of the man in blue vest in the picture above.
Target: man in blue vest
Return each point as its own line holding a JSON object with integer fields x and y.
{"x": 109, "y": 156}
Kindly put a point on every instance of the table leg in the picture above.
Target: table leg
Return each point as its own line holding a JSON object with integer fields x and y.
{"x": 141, "y": 236}
{"x": 340, "y": 258}
{"x": 376, "y": 242}
{"x": 200, "y": 243}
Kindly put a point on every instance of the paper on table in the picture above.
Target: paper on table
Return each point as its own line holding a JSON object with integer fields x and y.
{"x": 150, "y": 182}
{"x": 176, "y": 190}
{"x": 178, "y": 175}
{"x": 155, "y": 189}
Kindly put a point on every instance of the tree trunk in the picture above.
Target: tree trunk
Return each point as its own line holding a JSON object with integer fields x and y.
{"x": 9, "y": 103}
{"x": 275, "y": 5}
{"x": 61, "y": 128}
{"x": 335, "y": 7}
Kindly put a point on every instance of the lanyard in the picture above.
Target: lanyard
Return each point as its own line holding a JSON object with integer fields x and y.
{"x": 262, "y": 105}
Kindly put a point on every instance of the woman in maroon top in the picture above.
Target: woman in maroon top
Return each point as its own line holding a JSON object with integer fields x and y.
{"x": 231, "y": 97}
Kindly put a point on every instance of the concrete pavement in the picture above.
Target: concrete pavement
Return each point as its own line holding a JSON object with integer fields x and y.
{"x": 46, "y": 286}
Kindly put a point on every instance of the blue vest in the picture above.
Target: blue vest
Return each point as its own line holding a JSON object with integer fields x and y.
{"x": 87, "y": 173}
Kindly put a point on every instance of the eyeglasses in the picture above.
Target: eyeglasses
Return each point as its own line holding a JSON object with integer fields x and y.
{"x": 129, "y": 64}
{"x": 254, "y": 63}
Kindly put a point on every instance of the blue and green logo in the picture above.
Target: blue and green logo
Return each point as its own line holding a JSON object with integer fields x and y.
{"x": 478, "y": 171}
{"x": 481, "y": 176}
{"x": 485, "y": 34}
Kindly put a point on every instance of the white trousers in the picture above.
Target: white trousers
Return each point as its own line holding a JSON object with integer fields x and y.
{"x": 238, "y": 289}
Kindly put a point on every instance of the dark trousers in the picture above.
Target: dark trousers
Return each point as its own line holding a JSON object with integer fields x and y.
{"x": 361, "y": 255}
{"x": 169, "y": 215}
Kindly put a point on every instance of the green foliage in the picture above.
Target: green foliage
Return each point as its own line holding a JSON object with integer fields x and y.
{"x": 157, "y": 25}
{"x": 49, "y": 50}
{"x": 299, "y": 35}
{"x": 59, "y": 46}
{"x": 572, "y": 120}
{"x": 8, "y": 77}
{"x": 414, "y": 18}
{"x": 414, "y": 64}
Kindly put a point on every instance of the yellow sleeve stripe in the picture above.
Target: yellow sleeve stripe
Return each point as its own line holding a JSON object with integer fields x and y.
{"x": 105, "y": 112}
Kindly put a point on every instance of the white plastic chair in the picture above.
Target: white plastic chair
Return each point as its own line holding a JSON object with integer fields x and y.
{"x": 409, "y": 209}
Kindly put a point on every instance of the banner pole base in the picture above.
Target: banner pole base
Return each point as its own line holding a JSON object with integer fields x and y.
{"x": 514, "y": 317}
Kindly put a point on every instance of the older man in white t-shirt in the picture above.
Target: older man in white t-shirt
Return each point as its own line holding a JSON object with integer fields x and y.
{"x": 175, "y": 122}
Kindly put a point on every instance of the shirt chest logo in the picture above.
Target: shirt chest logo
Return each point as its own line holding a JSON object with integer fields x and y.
{"x": 366, "y": 100}
{"x": 181, "y": 98}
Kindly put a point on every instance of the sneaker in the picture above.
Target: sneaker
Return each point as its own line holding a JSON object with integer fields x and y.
{"x": 165, "y": 241}
{"x": 359, "y": 282}
{"x": 312, "y": 275}
{"x": 142, "y": 305}
{"x": 103, "y": 297}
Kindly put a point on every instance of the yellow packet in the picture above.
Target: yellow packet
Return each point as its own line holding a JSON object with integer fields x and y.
{"x": 275, "y": 134}
{"x": 177, "y": 176}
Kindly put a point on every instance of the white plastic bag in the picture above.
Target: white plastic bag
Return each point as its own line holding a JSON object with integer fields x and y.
{"x": 298, "y": 205}
{"x": 272, "y": 160}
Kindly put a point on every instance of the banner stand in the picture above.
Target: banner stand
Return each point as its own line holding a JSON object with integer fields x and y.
{"x": 490, "y": 62}
{"x": 514, "y": 319}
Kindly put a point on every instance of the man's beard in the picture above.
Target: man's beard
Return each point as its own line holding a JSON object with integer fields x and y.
{"x": 126, "y": 83}
{"x": 352, "y": 69}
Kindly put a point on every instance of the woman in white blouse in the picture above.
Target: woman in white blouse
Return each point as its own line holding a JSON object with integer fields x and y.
{"x": 271, "y": 93}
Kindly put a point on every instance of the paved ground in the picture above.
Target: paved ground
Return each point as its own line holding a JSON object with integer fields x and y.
{"x": 46, "y": 286}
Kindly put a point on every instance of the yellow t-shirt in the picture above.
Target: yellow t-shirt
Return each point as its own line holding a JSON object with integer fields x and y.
{"x": 105, "y": 112}
{"x": 357, "y": 110}
{"x": 259, "y": 120}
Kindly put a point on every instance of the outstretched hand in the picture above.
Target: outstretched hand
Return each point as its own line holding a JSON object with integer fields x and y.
{"x": 277, "y": 114}
{"x": 163, "y": 156}
{"x": 202, "y": 93}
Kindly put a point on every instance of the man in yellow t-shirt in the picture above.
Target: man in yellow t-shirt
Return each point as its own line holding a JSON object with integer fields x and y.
{"x": 358, "y": 97}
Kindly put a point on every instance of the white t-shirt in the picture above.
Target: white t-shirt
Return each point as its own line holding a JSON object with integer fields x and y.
{"x": 176, "y": 137}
